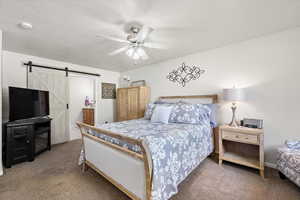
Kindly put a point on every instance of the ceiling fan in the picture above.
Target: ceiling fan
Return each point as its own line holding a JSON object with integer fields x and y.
{"x": 135, "y": 42}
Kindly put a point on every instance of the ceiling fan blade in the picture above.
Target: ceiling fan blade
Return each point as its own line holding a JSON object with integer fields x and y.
{"x": 143, "y": 33}
{"x": 145, "y": 57}
{"x": 120, "y": 50}
{"x": 142, "y": 53}
{"x": 154, "y": 45}
{"x": 113, "y": 38}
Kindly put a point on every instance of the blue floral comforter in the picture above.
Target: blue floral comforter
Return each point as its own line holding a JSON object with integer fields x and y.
{"x": 176, "y": 149}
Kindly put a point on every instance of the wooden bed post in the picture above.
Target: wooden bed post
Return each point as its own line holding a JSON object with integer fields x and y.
{"x": 148, "y": 171}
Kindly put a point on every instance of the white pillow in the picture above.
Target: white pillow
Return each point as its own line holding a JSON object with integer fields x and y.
{"x": 161, "y": 114}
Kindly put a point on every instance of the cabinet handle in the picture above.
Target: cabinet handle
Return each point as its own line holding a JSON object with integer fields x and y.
{"x": 27, "y": 141}
{"x": 237, "y": 136}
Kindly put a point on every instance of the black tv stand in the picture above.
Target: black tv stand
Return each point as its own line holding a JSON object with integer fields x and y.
{"x": 25, "y": 139}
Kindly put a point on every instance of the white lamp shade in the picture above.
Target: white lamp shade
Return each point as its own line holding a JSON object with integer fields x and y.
{"x": 233, "y": 94}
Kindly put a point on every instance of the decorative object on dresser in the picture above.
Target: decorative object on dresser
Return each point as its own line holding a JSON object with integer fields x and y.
{"x": 88, "y": 115}
{"x": 108, "y": 91}
{"x": 233, "y": 95}
{"x": 126, "y": 79}
{"x": 131, "y": 102}
{"x": 138, "y": 83}
{"x": 25, "y": 139}
{"x": 184, "y": 74}
{"x": 241, "y": 145}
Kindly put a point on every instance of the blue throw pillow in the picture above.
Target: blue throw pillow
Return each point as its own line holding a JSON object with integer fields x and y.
{"x": 213, "y": 115}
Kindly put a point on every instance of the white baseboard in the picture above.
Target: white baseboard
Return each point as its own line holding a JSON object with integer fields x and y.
{"x": 271, "y": 165}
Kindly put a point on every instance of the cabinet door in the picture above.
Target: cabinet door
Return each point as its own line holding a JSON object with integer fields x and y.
{"x": 143, "y": 100}
{"x": 122, "y": 102}
{"x": 133, "y": 103}
{"x": 88, "y": 116}
{"x": 21, "y": 143}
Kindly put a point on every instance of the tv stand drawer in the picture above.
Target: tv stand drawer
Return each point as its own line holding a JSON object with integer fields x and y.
{"x": 20, "y": 132}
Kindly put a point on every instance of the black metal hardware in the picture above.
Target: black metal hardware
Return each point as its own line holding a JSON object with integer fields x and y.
{"x": 59, "y": 69}
{"x": 67, "y": 74}
{"x": 30, "y": 66}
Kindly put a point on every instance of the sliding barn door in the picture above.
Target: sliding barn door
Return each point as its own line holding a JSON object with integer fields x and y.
{"x": 57, "y": 84}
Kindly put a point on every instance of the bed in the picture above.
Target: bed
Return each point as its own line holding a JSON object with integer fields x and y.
{"x": 148, "y": 161}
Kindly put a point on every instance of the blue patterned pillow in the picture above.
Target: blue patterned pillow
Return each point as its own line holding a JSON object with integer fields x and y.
{"x": 293, "y": 144}
{"x": 149, "y": 110}
{"x": 190, "y": 113}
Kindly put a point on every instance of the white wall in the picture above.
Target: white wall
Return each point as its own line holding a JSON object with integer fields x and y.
{"x": 268, "y": 67}
{"x": 1, "y": 169}
{"x": 14, "y": 74}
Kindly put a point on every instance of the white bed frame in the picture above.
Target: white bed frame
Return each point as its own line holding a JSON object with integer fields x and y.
{"x": 129, "y": 171}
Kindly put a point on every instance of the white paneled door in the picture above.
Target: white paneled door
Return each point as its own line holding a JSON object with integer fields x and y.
{"x": 57, "y": 84}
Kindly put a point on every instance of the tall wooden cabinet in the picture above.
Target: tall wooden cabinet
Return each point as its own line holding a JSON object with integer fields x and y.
{"x": 131, "y": 102}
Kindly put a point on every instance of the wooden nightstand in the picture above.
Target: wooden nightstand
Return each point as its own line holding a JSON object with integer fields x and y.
{"x": 241, "y": 145}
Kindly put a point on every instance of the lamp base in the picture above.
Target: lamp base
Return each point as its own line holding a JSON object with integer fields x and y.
{"x": 233, "y": 122}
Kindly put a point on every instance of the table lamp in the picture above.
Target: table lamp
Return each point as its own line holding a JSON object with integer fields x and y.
{"x": 233, "y": 95}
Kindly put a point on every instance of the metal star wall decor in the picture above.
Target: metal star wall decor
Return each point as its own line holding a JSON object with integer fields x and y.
{"x": 184, "y": 74}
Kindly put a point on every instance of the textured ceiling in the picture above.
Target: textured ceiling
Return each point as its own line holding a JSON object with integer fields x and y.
{"x": 66, "y": 30}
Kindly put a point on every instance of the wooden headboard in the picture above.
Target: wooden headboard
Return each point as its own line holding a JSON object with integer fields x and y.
{"x": 213, "y": 98}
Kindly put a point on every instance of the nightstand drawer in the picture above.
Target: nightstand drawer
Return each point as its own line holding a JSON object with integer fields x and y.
{"x": 240, "y": 137}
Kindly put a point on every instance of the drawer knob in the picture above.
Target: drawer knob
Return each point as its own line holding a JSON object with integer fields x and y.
{"x": 237, "y": 136}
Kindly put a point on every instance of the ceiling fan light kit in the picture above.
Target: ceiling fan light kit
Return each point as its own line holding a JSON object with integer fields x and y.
{"x": 130, "y": 52}
{"x": 25, "y": 25}
{"x": 135, "y": 43}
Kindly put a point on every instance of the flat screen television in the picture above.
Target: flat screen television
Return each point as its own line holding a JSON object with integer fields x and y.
{"x": 27, "y": 103}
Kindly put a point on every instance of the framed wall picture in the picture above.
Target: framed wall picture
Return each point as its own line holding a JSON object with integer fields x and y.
{"x": 138, "y": 83}
{"x": 108, "y": 91}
